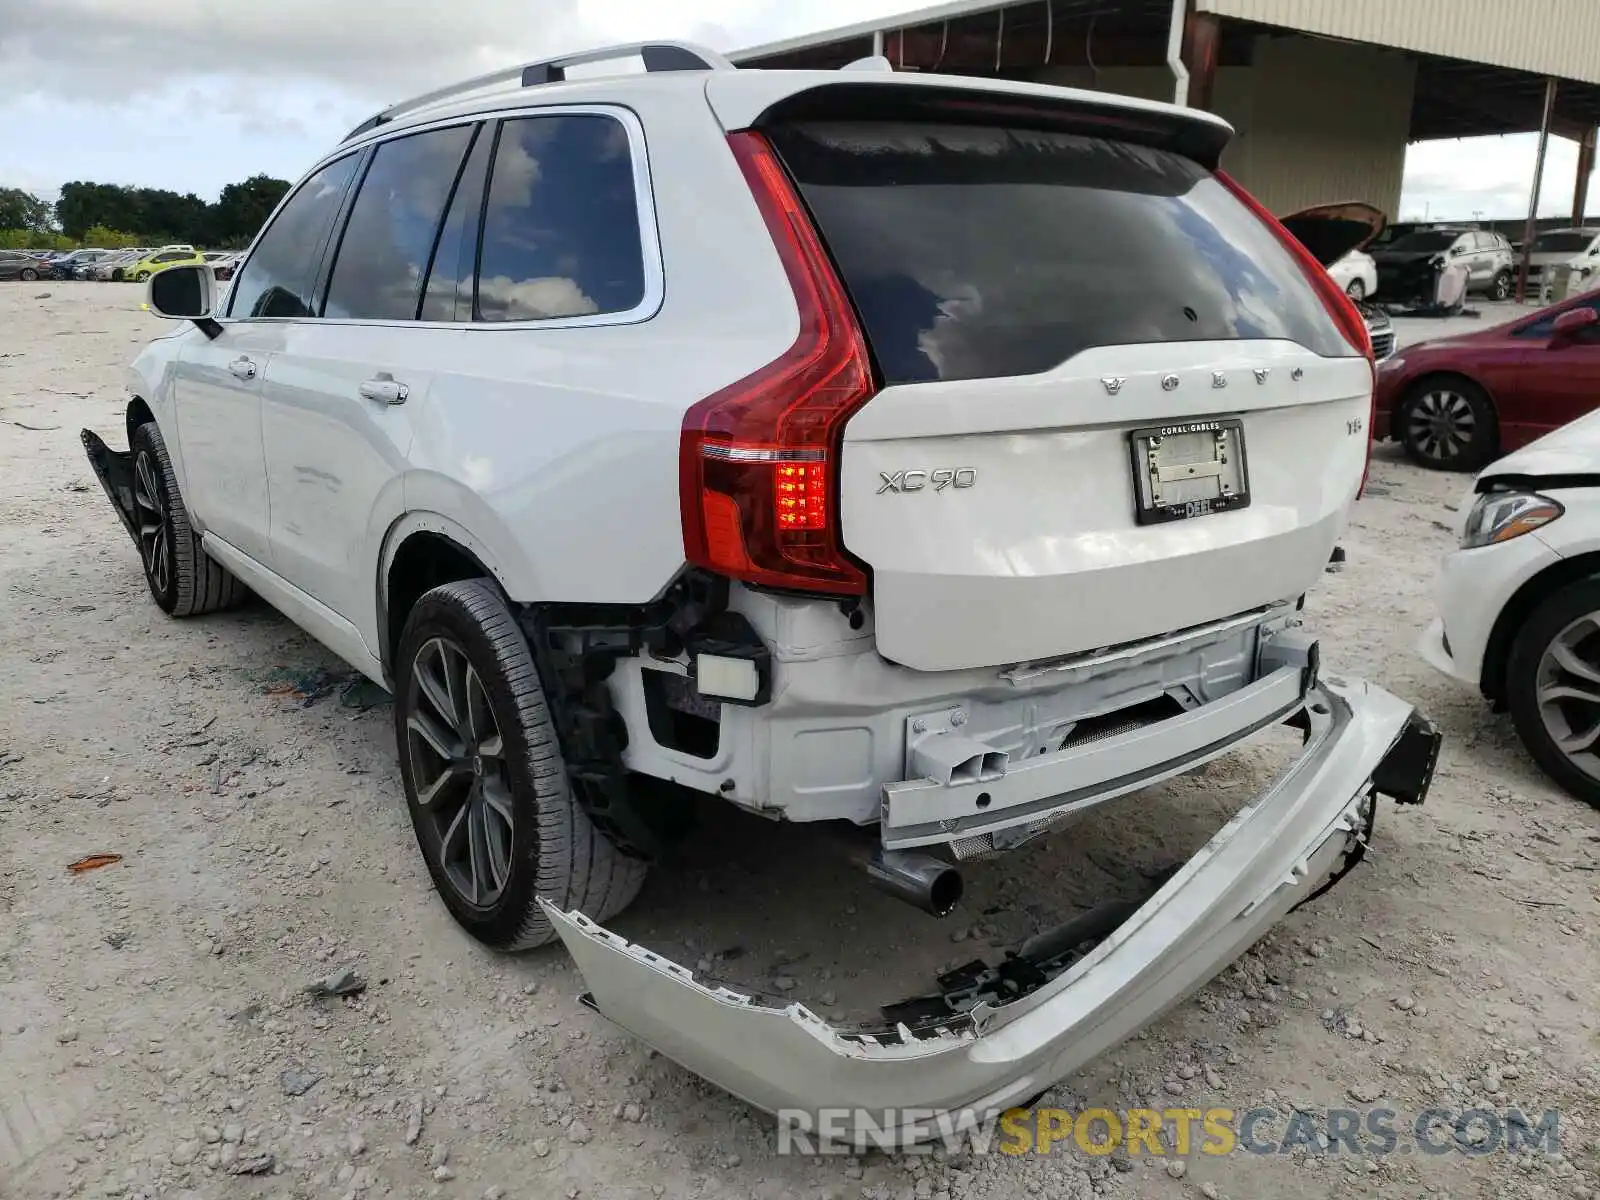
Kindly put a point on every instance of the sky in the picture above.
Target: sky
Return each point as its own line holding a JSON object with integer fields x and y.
{"x": 193, "y": 94}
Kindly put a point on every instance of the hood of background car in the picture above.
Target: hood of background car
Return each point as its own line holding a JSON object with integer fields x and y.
{"x": 1330, "y": 231}
{"x": 1574, "y": 449}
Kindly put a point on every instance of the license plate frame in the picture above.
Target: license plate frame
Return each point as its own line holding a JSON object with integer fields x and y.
{"x": 1229, "y": 466}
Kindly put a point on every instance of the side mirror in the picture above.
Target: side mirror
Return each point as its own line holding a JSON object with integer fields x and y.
{"x": 1570, "y": 325}
{"x": 187, "y": 293}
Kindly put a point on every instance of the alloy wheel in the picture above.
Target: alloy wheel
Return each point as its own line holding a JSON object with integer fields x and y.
{"x": 1441, "y": 425}
{"x": 458, "y": 767}
{"x": 1567, "y": 690}
{"x": 149, "y": 500}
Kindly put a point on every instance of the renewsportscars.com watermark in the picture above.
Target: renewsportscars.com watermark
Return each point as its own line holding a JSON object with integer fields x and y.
{"x": 1176, "y": 1132}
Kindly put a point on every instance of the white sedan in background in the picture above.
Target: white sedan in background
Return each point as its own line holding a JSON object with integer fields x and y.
{"x": 1356, "y": 273}
{"x": 1337, "y": 235}
{"x": 1519, "y": 602}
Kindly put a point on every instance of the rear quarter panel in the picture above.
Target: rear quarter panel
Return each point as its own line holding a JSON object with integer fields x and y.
{"x": 557, "y": 448}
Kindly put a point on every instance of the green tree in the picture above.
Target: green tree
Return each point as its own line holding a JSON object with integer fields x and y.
{"x": 243, "y": 208}
{"x": 23, "y": 210}
{"x": 102, "y": 238}
{"x": 155, "y": 215}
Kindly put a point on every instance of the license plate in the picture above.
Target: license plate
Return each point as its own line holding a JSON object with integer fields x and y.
{"x": 1188, "y": 469}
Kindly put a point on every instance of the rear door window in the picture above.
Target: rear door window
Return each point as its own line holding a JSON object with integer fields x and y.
{"x": 447, "y": 296}
{"x": 394, "y": 223}
{"x": 976, "y": 252}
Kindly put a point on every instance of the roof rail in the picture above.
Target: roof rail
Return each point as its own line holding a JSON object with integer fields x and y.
{"x": 657, "y": 56}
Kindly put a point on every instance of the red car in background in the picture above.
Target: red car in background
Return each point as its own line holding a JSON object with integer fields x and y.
{"x": 1458, "y": 403}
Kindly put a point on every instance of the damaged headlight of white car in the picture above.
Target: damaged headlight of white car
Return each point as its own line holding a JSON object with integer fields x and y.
{"x": 1500, "y": 516}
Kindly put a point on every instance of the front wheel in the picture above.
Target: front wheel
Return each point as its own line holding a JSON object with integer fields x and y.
{"x": 1500, "y": 289}
{"x": 1357, "y": 290}
{"x": 485, "y": 783}
{"x": 184, "y": 580}
{"x": 1553, "y": 688}
{"x": 141, "y": 277}
{"x": 1447, "y": 424}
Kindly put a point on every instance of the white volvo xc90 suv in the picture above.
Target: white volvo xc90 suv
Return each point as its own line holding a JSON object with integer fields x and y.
{"x": 934, "y": 456}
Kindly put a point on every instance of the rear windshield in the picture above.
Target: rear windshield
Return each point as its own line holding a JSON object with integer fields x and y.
{"x": 1570, "y": 243}
{"x": 975, "y": 252}
{"x": 1426, "y": 239}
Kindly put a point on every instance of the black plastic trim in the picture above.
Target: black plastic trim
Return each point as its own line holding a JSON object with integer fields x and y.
{"x": 1406, "y": 772}
{"x": 1502, "y": 483}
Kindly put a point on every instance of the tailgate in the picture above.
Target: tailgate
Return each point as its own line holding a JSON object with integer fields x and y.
{"x": 1114, "y": 402}
{"x": 1041, "y": 552}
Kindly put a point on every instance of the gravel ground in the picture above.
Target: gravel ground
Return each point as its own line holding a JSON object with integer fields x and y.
{"x": 156, "y": 1038}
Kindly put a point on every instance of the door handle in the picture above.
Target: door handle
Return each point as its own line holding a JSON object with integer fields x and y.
{"x": 243, "y": 368}
{"x": 385, "y": 389}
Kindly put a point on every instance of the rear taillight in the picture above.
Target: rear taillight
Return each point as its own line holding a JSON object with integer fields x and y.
{"x": 1352, "y": 325}
{"x": 759, "y": 460}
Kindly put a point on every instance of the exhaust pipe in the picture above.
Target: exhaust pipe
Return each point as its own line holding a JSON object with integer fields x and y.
{"x": 921, "y": 880}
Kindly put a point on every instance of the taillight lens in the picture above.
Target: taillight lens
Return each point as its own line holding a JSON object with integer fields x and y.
{"x": 1352, "y": 325}
{"x": 759, "y": 460}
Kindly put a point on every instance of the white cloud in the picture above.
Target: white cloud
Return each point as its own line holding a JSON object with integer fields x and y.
{"x": 507, "y": 299}
{"x": 1489, "y": 178}
{"x": 192, "y": 94}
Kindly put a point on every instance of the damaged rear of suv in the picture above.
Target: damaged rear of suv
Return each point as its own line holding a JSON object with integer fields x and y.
{"x": 937, "y": 458}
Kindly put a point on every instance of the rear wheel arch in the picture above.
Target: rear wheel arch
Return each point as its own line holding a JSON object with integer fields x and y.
{"x": 421, "y": 553}
{"x": 1517, "y": 610}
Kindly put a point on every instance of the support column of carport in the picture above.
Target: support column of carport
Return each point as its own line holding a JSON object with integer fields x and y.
{"x": 1530, "y": 231}
{"x": 1580, "y": 191}
{"x": 1200, "y": 42}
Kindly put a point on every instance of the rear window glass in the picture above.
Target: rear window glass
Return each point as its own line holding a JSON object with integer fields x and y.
{"x": 1571, "y": 243}
{"x": 1423, "y": 241}
{"x": 976, "y": 252}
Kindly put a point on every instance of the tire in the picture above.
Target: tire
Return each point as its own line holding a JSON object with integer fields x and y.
{"x": 1569, "y": 620}
{"x": 141, "y": 277}
{"x": 184, "y": 580}
{"x": 1447, "y": 423}
{"x": 516, "y": 806}
{"x": 116, "y": 276}
{"x": 1501, "y": 287}
{"x": 28, "y": 275}
{"x": 1357, "y": 291}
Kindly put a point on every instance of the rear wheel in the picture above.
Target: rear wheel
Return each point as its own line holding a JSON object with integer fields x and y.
{"x": 1553, "y": 688}
{"x": 29, "y": 274}
{"x": 184, "y": 580}
{"x": 1448, "y": 423}
{"x": 488, "y": 792}
{"x": 1357, "y": 290}
{"x": 1500, "y": 289}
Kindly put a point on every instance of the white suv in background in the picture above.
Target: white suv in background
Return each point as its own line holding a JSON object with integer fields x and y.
{"x": 688, "y": 433}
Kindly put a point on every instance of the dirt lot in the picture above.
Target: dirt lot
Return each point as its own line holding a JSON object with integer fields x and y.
{"x": 155, "y": 1039}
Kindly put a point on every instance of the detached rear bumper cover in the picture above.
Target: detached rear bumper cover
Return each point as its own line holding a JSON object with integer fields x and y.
{"x": 1274, "y": 854}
